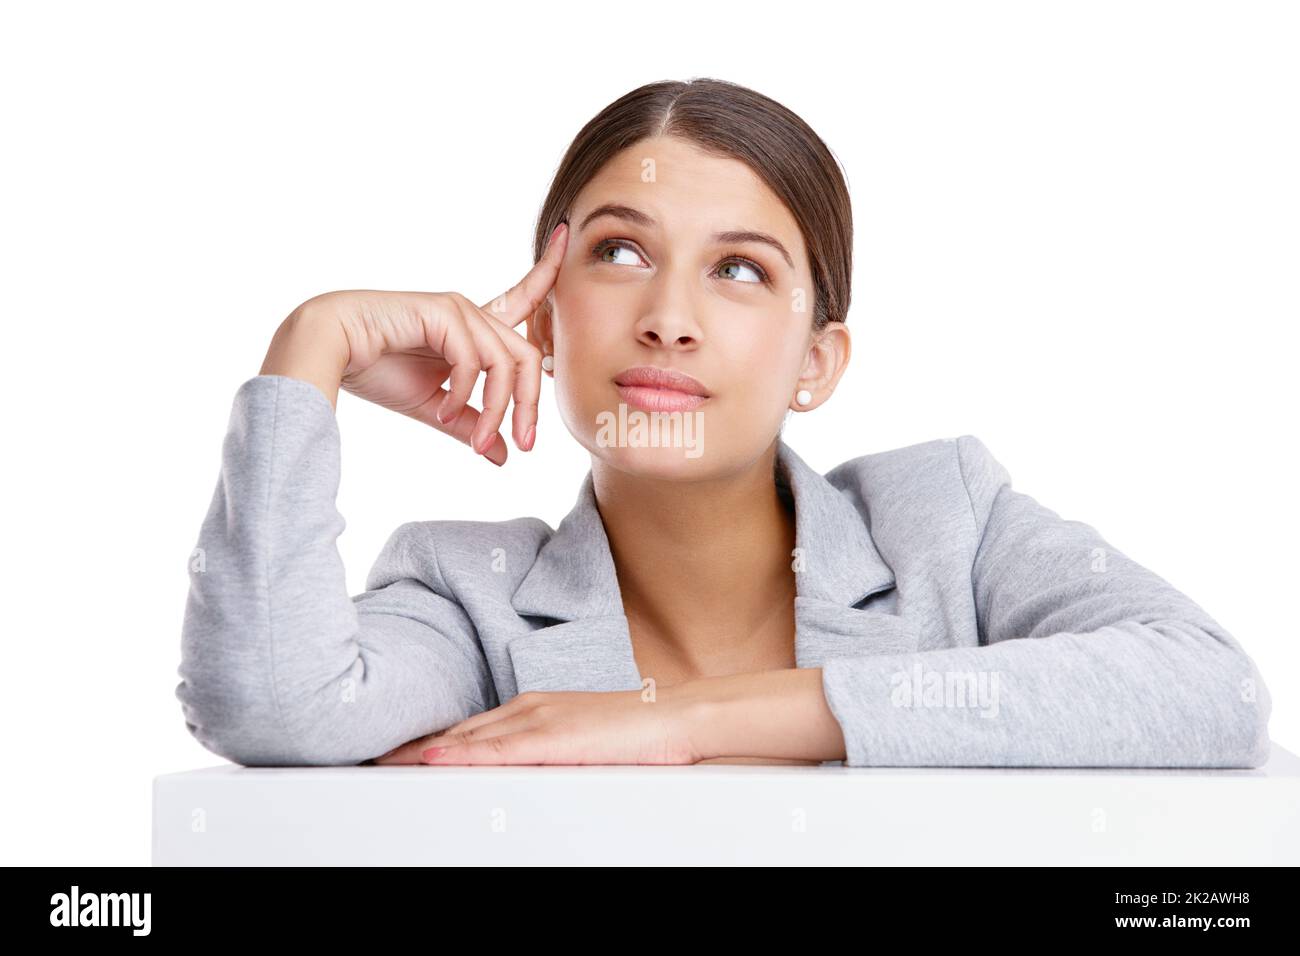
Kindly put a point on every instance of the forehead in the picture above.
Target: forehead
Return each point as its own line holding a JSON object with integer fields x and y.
{"x": 689, "y": 191}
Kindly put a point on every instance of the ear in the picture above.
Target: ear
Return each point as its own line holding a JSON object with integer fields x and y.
{"x": 539, "y": 329}
{"x": 827, "y": 358}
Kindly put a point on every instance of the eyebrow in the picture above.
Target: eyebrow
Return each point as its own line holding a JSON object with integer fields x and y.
{"x": 637, "y": 217}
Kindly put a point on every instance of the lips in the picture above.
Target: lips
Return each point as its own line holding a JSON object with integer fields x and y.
{"x": 660, "y": 389}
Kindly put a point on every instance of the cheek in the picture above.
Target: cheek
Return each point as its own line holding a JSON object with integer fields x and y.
{"x": 759, "y": 365}
{"x": 591, "y": 335}
{"x": 587, "y": 345}
{"x": 587, "y": 318}
{"x": 768, "y": 360}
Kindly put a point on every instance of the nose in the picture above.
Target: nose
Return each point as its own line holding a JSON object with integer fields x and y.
{"x": 669, "y": 322}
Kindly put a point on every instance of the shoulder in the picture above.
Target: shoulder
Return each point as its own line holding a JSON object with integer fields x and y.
{"x": 963, "y": 456}
{"x": 926, "y": 478}
{"x": 445, "y": 553}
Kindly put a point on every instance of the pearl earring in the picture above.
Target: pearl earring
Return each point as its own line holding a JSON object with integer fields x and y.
{"x": 548, "y": 362}
{"x": 803, "y": 396}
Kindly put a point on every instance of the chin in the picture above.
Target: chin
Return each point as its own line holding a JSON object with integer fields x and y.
{"x": 665, "y": 464}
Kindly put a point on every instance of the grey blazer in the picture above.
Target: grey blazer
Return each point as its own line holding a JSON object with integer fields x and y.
{"x": 956, "y": 621}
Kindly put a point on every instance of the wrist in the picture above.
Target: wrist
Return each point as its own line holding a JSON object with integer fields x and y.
{"x": 778, "y": 714}
{"x": 310, "y": 345}
{"x": 697, "y": 707}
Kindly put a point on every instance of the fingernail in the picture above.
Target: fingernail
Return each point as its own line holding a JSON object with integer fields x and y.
{"x": 491, "y": 452}
{"x": 555, "y": 232}
{"x": 529, "y": 437}
{"x": 434, "y": 752}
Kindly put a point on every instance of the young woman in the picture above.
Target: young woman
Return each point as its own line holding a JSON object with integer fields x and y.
{"x": 710, "y": 597}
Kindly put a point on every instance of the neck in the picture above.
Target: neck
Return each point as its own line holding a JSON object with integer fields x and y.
{"x": 706, "y": 564}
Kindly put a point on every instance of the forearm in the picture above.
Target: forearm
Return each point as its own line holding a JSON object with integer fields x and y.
{"x": 774, "y": 714}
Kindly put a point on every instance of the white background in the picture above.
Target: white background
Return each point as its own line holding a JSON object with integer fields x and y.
{"x": 1076, "y": 239}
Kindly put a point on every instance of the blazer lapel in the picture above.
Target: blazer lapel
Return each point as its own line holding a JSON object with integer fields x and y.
{"x": 588, "y": 646}
{"x": 573, "y": 576}
{"x": 837, "y": 568}
{"x": 573, "y": 582}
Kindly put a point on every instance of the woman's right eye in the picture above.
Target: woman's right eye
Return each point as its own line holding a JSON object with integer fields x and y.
{"x": 603, "y": 248}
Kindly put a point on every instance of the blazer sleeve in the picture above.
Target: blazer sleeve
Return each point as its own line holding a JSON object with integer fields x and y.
{"x": 279, "y": 666}
{"x": 1085, "y": 658}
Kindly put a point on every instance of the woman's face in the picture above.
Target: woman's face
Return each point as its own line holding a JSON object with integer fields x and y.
{"x": 651, "y": 281}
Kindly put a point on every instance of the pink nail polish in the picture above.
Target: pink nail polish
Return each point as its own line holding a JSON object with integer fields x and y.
{"x": 433, "y": 753}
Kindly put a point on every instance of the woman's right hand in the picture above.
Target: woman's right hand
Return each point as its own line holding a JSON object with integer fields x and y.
{"x": 396, "y": 349}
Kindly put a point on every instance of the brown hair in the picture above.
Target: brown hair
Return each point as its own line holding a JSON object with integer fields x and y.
{"x": 729, "y": 120}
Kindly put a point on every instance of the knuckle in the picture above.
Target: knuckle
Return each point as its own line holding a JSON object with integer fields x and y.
{"x": 441, "y": 304}
{"x": 418, "y": 313}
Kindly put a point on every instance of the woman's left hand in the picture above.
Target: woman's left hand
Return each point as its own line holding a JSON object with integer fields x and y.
{"x": 564, "y": 727}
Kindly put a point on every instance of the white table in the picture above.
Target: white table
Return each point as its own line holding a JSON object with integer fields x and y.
{"x": 743, "y": 814}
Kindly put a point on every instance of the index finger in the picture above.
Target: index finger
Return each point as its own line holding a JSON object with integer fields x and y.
{"x": 522, "y": 299}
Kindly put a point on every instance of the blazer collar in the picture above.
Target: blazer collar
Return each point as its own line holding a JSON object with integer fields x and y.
{"x": 573, "y": 576}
